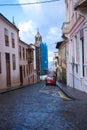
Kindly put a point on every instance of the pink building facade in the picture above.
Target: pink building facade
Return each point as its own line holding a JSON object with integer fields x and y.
{"x": 9, "y": 61}
{"x": 34, "y": 55}
{"x": 17, "y": 60}
{"x": 26, "y": 63}
{"x": 74, "y": 32}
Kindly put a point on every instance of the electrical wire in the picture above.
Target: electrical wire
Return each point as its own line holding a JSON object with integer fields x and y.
{"x": 40, "y": 2}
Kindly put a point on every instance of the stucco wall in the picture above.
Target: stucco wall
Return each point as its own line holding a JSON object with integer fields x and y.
{"x": 8, "y": 49}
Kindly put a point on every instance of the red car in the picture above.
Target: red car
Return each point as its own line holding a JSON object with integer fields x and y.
{"x": 50, "y": 79}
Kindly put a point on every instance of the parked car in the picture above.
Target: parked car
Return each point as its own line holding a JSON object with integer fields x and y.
{"x": 50, "y": 79}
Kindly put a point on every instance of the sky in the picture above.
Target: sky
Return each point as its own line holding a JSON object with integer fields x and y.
{"x": 47, "y": 17}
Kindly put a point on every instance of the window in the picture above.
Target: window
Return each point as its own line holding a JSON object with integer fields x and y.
{"x": 26, "y": 54}
{"x": 76, "y": 68}
{"x": 13, "y": 40}
{"x": 20, "y": 52}
{"x": 14, "y": 61}
{"x": 0, "y": 62}
{"x": 27, "y": 69}
{"x": 24, "y": 71}
{"x": 6, "y": 37}
{"x": 76, "y": 49}
{"x": 23, "y": 53}
{"x": 82, "y": 40}
{"x": 82, "y": 44}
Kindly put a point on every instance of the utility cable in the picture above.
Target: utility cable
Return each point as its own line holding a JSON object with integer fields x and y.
{"x": 32, "y": 3}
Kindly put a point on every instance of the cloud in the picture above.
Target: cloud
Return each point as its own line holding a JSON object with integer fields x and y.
{"x": 47, "y": 13}
{"x": 53, "y": 36}
{"x": 33, "y": 11}
{"x": 31, "y": 7}
{"x": 47, "y": 18}
{"x": 27, "y": 31}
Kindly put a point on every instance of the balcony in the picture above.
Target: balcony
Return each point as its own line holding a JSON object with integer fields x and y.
{"x": 66, "y": 28}
{"x": 30, "y": 59}
{"x": 80, "y": 4}
{"x": 30, "y": 55}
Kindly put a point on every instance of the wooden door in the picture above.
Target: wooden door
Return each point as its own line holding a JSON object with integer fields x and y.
{"x": 8, "y": 75}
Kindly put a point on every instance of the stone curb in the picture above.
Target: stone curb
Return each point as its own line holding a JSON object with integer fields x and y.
{"x": 19, "y": 87}
{"x": 65, "y": 92}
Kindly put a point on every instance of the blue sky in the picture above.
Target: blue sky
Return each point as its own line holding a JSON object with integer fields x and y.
{"x": 48, "y": 17}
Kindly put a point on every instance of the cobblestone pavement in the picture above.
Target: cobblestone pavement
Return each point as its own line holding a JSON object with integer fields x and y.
{"x": 40, "y": 107}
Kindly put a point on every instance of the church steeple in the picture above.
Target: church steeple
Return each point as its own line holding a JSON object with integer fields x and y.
{"x": 38, "y": 38}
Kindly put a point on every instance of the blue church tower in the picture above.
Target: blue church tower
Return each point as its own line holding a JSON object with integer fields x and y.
{"x": 44, "y": 58}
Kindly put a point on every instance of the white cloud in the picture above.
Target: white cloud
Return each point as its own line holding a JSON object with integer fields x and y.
{"x": 33, "y": 11}
{"x": 53, "y": 34}
{"x": 30, "y": 7}
{"x": 27, "y": 31}
{"x": 44, "y": 13}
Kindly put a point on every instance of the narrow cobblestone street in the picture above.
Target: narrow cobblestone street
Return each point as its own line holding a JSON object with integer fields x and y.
{"x": 40, "y": 107}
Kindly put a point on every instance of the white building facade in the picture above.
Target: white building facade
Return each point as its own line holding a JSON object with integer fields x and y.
{"x": 74, "y": 31}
